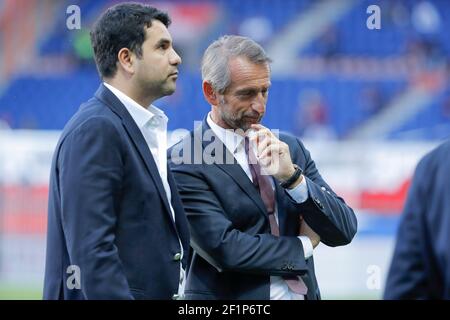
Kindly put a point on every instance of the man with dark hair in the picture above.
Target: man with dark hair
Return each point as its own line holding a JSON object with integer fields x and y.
{"x": 256, "y": 203}
{"x": 420, "y": 266}
{"x": 116, "y": 225}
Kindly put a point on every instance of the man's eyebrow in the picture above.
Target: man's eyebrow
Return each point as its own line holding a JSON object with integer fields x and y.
{"x": 246, "y": 90}
{"x": 163, "y": 41}
{"x": 251, "y": 89}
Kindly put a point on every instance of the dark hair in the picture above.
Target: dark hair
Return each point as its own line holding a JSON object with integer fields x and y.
{"x": 122, "y": 26}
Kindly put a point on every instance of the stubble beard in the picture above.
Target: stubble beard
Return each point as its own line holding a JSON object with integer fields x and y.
{"x": 235, "y": 122}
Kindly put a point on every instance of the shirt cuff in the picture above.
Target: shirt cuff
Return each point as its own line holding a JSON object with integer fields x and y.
{"x": 307, "y": 246}
{"x": 300, "y": 193}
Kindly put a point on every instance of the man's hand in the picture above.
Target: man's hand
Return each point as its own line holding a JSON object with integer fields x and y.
{"x": 273, "y": 155}
{"x": 305, "y": 230}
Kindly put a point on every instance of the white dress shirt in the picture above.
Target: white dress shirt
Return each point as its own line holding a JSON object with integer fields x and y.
{"x": 279, "y": 289}
{"x": 152, "y": 122}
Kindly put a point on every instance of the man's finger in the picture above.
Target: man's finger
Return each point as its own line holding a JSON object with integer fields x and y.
{"x": 269, "y": 151}
{"x": 261, "y": 130}
{"x": 265, "y": 144}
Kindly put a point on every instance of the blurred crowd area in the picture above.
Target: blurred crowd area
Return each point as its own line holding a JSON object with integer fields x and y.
{"x": 333, "y": 77}
{"x": 368, "y": 103}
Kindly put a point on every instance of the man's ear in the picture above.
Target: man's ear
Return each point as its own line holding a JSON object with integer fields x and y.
{"x": 210, "y": 94}
{"x": 126, "y": 60}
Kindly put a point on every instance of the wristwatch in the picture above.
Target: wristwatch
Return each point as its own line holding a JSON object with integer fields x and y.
{"x": 289, "y": 182}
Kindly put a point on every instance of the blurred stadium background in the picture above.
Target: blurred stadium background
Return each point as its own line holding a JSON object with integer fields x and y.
{"x": 367, "y": 103}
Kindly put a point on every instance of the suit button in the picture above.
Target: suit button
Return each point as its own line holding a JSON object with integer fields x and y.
{"x": 175, "y": 296}
{"x": 154, "y": 122}
{"x": 319, "y": 204}
{"x": 177, "y": 257}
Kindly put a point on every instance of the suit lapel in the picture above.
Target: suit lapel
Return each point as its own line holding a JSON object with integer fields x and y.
{"x": 234, "y": 170}
{"x": 136, "y": 136}
{"x": 180, "y": 217}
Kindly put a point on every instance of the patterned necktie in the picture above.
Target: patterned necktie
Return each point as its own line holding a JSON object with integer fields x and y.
{"x": 262, "y": 182}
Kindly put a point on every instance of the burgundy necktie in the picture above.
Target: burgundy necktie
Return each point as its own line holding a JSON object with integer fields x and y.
{"x": 262, "y": 182}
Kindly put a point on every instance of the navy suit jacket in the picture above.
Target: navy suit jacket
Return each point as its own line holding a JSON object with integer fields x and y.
{"x": 234, "y": 252}
{"x": 420, "y": 267}
{"x": 108, "y": 213}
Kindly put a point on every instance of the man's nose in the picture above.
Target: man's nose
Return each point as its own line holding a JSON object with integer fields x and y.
{"x": 259, "y": 103}
{"x": 175, "y": 59}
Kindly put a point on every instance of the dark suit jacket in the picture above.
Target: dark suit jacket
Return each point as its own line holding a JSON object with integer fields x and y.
{"x": 108, "y": 212}
{"x": 235, "y": 254}
{"x": 420, "y": 267}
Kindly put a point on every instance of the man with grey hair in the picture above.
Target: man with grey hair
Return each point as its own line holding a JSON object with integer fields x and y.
{"x": 256, "y": 219}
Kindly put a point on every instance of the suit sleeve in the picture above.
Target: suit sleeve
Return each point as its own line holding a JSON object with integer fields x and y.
{"x": 325, "y": 212}
{"x": 90, "y": 175}
{"x": 226, "y": 248}
{"x": 407, "y": 278}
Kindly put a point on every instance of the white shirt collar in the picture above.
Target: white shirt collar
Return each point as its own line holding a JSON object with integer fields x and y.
{"x": 140, "y": 115}
{"x": 230, "y": 139}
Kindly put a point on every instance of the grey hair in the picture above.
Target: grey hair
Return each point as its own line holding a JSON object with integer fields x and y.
{"x": 215, "y": 68}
